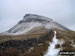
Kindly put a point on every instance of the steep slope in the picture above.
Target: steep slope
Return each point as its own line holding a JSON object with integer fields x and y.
{"x": 31, "y": 21}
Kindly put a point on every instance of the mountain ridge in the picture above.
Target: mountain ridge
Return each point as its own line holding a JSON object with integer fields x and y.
{"x": 30, "y": 21}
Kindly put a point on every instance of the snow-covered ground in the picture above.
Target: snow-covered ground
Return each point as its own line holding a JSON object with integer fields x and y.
{"x": 51, "y": 49}
{"x": 23, "y": 28}
{"x": 30, "y": 21}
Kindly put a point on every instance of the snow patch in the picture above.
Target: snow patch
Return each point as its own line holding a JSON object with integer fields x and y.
{"x": 30, "y": 21}
{"x": 51, "y": 49}
{"x": 23, "y": 28}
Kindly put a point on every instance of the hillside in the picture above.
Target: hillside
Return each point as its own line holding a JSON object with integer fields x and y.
{"x": 35, "y": 44}
{"x": 31, "y": 21}
{"x": 36, "y": 35}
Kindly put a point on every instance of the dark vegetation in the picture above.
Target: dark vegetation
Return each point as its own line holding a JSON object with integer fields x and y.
{"x": 69, "y": 38}
{"x": 26, "y": 47}
{"x": 35, "y": 44}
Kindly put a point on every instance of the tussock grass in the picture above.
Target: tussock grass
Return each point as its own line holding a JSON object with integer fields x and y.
{"x": 68, "y": 37}
{"x": 40, "y": 48}
{"x": 4, "y": 38}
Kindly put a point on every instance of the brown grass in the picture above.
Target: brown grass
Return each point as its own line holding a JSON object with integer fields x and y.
{"x": 57, "y": 46}
{"x": 41, "y": 48}
{"x": 38, "y": 49}
{"x": 68, "y": 37}
{"x": 4, "y": 38}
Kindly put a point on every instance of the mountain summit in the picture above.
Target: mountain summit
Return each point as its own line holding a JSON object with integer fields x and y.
{"x": 33, "y": 17}
{"x": 36, "y": 35}
{"x": 31, "y": 21}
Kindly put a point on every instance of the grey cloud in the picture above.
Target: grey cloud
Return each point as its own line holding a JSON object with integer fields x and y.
{"x": 12, "y": 11}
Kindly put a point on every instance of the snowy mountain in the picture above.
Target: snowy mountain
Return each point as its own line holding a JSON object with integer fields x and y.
{"x": 44, "y": 43}
{"x": 31, "y": 21}
{"x": 36, "y": 35}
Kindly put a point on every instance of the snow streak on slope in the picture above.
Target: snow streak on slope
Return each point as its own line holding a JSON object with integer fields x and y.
{"x": 30, "y": 21}
{"x": 23, "y": 28}
{"x": 51, "y": 49}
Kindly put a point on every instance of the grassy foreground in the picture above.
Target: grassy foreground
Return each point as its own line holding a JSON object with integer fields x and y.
{"x": 35, "y": 44}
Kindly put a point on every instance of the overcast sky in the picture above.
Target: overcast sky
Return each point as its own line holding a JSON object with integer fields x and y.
{"x": 12, "y": 11}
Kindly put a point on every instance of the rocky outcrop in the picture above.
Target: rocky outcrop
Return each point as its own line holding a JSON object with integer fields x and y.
{"x": 24, "y": 44}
